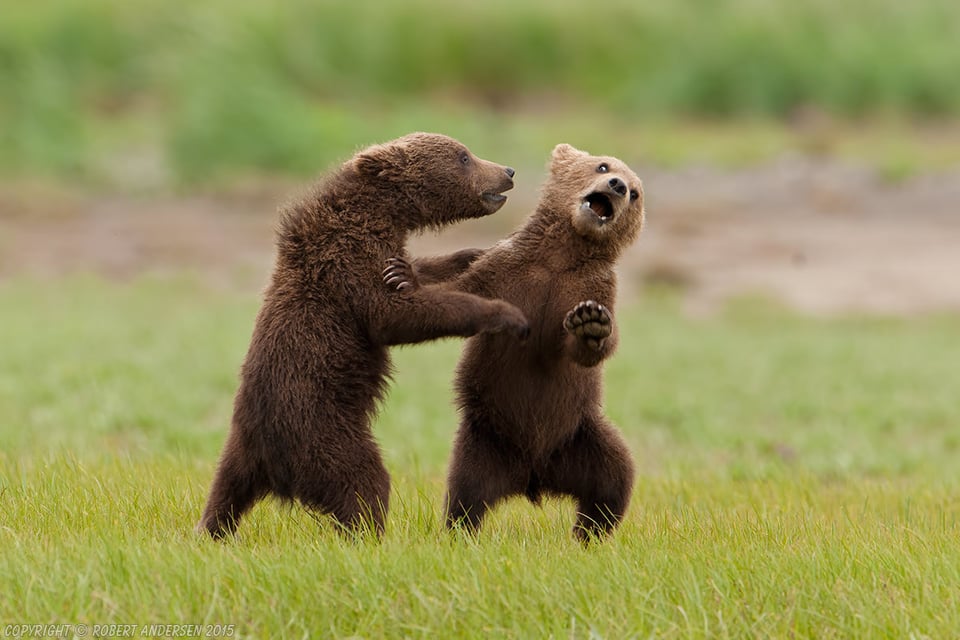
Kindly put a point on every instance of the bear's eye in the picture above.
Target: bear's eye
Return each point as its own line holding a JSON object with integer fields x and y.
{"x": 633, "y": 194}
{"x": 603, "y": 168}
{"x": 464, "y": 157}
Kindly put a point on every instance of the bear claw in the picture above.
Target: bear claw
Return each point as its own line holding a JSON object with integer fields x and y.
{"x": 399, "y": 275}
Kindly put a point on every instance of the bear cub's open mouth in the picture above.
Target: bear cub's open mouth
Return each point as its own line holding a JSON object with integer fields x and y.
{"x": 600, "y": 204}
{"x": 494, "y": 198}
{"x": 492, "y": 201}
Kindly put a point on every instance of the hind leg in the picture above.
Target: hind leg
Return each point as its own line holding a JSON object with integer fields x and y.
{"x": 483, "y": 471}
{"x": 236, "y": 487}
{"x": 355, "y": 490}
{"x": 597, "y": 470}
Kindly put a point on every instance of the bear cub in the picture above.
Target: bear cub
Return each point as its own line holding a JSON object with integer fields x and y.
{"x": 531, "y": 418}
{"x": 317, "y": 362}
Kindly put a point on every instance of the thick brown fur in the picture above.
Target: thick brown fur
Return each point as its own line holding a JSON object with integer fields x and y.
{"x": 318, "y": 362}
{"x": 531, "y": 414}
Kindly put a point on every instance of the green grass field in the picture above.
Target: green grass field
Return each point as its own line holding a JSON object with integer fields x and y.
{"x": 796, "y": 476}
{"x": 797, "y": 479}
{"x": 95, "y": 90}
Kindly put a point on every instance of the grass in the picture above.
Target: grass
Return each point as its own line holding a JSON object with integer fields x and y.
{"x": 226, "y": 87}
{"x": 795, "y": 480}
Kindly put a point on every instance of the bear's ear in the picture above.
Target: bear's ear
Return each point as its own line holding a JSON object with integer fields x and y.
{"x": 381, "y": 160}
{"x": 564, "y": 152}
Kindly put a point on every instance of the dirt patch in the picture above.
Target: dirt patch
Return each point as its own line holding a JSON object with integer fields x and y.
{"x": 822, "y": 238}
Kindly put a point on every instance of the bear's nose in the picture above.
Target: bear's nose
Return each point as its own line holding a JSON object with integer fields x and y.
{"x": 617, "y": 185}
{"x": 510, "y": 171}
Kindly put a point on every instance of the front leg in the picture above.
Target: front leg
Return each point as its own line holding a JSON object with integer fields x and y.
{"x": 417, "y": 314}
{"x": 591, "y": 334}
{"x": 434, "y": 269}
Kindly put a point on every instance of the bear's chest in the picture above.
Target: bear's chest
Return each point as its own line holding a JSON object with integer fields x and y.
{"x": 540, "y": 291}
{"x": 535, "y": 290}
{"x": 545, "y": 297}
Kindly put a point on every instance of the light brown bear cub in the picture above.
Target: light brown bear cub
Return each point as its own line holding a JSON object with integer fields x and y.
{"x": 318, "y": 361}
{"x": 531, "y": 414}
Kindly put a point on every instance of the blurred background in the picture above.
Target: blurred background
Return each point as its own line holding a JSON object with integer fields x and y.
{"x": 804, "y": 151}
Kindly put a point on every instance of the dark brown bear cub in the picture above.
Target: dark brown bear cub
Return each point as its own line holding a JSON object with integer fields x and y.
{"x": 318, "y": 360}
{"x": 531, "y": 415}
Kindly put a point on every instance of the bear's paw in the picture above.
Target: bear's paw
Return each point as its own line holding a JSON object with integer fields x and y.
{"x": 399, "y": 275}
{"x": 589, "y": 321}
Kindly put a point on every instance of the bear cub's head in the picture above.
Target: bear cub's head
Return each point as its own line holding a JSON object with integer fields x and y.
{"x": 603, "y": 197}
{"x": 436, "y": 177}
